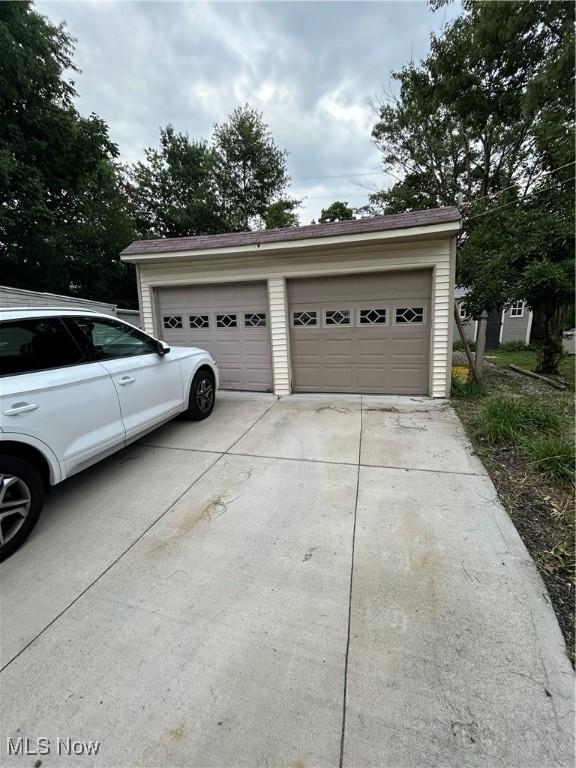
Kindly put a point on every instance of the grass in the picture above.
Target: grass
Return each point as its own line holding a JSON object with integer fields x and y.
{"x": 552, "y": 456}
{"x": 467, "y": 390}
{"x": 523, "y": 430}
{"x": 527, "y": 359}
{"x": 508, "y": 420}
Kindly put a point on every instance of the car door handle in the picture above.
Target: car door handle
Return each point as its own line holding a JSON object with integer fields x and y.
{"x": 126, "y": 380}
{"x": 20, "y": 408}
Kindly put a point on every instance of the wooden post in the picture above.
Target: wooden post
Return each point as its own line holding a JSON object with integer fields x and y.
{"x": 481, "y": 343}
{"x": 465, "y": 342}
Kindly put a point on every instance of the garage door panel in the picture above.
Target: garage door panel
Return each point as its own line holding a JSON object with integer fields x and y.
{"x": 241, "y": 348}
{"x": 384, "y": 349}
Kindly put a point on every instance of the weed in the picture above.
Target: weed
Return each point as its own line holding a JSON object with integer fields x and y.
{"x": 552, "y": 456}
{"x": 503, "y": 420}
{"x": 467, "y": 390}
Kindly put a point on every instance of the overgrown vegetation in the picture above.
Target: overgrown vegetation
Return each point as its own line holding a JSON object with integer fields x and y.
{"x": 506, "y": 420}
{"x": 467, "y": 390}
{"x": 523, "y": 430}
{"x": 552, "y": 456}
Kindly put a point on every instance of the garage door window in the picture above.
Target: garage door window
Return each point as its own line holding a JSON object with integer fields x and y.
{"x": 255, "y": 320}
{"x": 199, "y": 321}
{"x": 305, "y": 319}
{"x": 226, "y": 321}
{"x": 373, "y": 316}
{"x": 172, "y": 321}
{"x": 409, "y": 314}
{"x": 333, "y": 317}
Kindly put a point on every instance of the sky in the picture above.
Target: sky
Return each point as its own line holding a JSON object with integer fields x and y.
{"x": 312, "y": 68}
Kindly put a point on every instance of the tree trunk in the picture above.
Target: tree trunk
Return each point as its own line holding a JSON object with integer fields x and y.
{"x": 551, "y": 351}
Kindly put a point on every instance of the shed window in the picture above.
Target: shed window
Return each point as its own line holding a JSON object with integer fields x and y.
{"x": 517, "y": 309}
{"x": 172, "y": 321}
{"x": 462, "y": 312}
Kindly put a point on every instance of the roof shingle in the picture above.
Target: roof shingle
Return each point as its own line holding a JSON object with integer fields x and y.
{"x": 310, "y": 231}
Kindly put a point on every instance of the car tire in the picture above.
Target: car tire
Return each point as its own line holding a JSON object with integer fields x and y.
{"x": 19, "y": 480}
{"x": 202, "y": 396}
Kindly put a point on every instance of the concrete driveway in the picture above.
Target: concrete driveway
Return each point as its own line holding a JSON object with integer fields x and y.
{"x": 310, "y": 581}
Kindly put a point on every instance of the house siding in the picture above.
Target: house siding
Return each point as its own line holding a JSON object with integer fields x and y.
{"x": 278, "y": 266}
{"x": 515, "y": 328}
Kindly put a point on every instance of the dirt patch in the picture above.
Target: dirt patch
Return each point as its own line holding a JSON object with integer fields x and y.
{"x": 541, "y": 510}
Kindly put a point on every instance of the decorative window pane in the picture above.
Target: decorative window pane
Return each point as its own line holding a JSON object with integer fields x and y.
{"x": 517, "y": 309}
{"x": 172, "y": 321}
{"x": 409, "y": 314}
{"x": 255, "y": 320}
{"x": 337, "y": 317}
{"x": 199, "y": 321}
{"x": 373, "y": 316}
{"x": 305, "y": 319}
{"x": 226, "y": 321}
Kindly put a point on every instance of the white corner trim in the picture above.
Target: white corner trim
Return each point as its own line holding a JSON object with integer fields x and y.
{"x": 501, "y": 327}
{"x": 278, "y": 304}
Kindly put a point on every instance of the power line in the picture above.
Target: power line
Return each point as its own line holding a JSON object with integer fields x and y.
{"x": 513, "y": 186}
{"x": 515, "y": 202}
{"x": 337, "y": 176}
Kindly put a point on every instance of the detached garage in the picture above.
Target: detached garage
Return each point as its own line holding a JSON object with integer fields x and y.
{"x": 358, "y": 306}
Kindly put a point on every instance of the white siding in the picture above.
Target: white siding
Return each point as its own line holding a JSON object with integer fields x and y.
{"x": 279, "y": 335}
{"x": 276, "y": 267}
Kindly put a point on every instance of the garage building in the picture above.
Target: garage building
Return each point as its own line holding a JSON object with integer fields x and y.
{"x": 359, "y": 306}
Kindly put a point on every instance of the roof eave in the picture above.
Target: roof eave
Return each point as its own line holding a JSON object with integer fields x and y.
{"x": 432, "y": 231}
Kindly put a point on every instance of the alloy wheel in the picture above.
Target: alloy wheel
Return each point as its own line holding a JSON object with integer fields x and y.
{"x": 15, "y": 501}
{"x": 205, "y": 395}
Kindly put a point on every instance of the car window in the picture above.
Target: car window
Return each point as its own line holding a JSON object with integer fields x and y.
{"x": 110, "y": 339}
{"x": 36, "y": 345}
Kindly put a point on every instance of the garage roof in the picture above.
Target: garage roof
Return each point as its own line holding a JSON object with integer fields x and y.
{"x": 289, "y": 234}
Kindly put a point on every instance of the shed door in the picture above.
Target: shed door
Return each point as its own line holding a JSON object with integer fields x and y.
{"x": 361, "y": 333}
{"x": 231, "y": 321}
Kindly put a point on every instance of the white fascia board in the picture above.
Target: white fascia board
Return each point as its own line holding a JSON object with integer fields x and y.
{"x": 434, "y": 230}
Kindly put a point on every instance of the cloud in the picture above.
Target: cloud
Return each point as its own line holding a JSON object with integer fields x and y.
{"x": 311, "y": 67}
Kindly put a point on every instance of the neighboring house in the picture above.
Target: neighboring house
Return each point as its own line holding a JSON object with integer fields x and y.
{"x": 18, "y": 297}
{"x": 511, "y": 324}
{"x": 354, "y": 306}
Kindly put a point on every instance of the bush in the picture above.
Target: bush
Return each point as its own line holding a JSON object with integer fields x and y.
{"x": 502, "y": 420}
{"x": 553, "y": 456}
{"x": 467, "y": 390}
{"x": 458, "y": 346}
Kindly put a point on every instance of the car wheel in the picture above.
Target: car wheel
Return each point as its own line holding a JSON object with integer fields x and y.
{"x": 21, "y": 499}
{"x": 202, "y": 395}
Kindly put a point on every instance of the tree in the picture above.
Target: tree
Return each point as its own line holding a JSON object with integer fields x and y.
{"x": 489, "y": 113}
{"x": 282, "y": 214}
{"x": 250, "y": 169}
{"x": 337, "y": 211}
{"x": 51, "y": 160}
{"x": 174, "y": 192}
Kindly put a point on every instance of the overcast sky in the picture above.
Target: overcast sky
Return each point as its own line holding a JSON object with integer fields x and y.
{"x": 312, "y": 68}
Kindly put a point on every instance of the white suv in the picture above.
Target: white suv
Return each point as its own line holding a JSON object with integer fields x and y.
{"x": 76, "y": 386}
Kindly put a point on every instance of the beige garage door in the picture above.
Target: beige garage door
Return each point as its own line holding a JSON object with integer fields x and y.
{"x": 361, "y": 333}
{"x": 231, "y": 321}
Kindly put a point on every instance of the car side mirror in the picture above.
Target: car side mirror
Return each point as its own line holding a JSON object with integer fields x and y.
{"x": 162, "y": 348}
